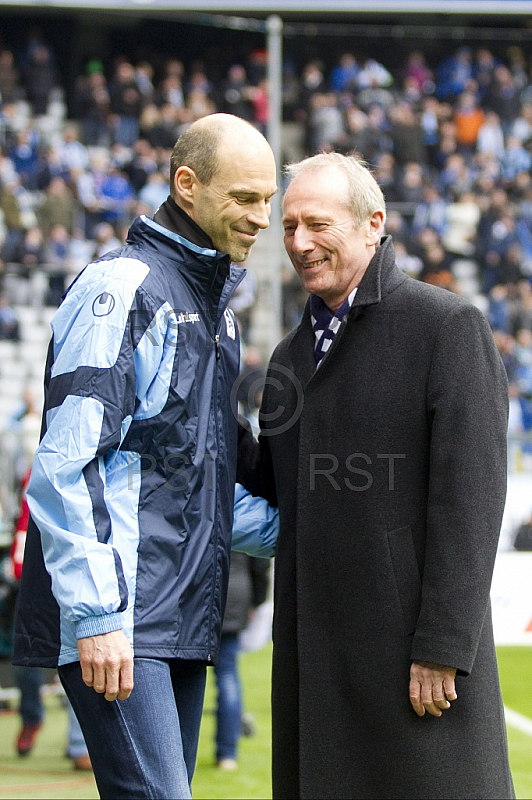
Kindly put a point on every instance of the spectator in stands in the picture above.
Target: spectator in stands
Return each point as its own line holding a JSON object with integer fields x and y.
{"x": 159, "y": 126}
{"x": 431, "y": 212}
{"x": 468, "y": 119}
{"x": 153, "y": 193}
{"x": 417, "y": 70}
{"x": 326, "y": 122}
{"x": 484, "y": 64}
{"x": 372, "y": 74}
{"x": 26, "y": 157}
{"x": 500, "y": 310}
{"x": 71, "y": 153}
{"x": 456, "y": 176}
{"x": 144, "y": 77}
{"x": 523, "y": 307}
{"x": 454, "y": 73}
{"x": 126, "y": 103}
{"x": 515, "y": 160}
{"x": 9, "y": 324}
{"x": 490, "y": 139}
{"x": 430, "y": 126}
{"x": 58, "y": 263}
{"x": 39, "y": 77}
{"x": 58, "y": 208}
{"x": 410, "y": 264}
{"x": 407, "y": 135}
{"x": 378, "y": 139}
{"x": 411, "y": 186}
{"x": 198, "y": 104}
{"x": 521, "y": 126}
{"x": 504, "y": 96}
{"x": 23, "y": 258}
{"x": 92, "y": 107}
{"x": 463, "y": 216}
{"x": 261, "y": 109}
{"x": 170, "y": 90}
{"x": 10, "y": 87}
{"x": 344, "y": 75}
{"x": 105, "y": 240}
{"x": 235, "y": 96}
{"x": 116, "y": 197}
{"x": 140, "y": 163}
{"x": 243, "y": 302}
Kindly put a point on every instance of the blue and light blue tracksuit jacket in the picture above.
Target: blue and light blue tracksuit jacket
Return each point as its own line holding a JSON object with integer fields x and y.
{"x": 130, "y": 520}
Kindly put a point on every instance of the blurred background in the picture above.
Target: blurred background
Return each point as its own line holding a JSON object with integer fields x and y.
{"x": 435, "y": 96}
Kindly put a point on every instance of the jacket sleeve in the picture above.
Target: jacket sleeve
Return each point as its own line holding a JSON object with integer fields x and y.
{"x": 467, "y": 403}
{"x": 255, "y": 525}
{"x": 102, "y": 366}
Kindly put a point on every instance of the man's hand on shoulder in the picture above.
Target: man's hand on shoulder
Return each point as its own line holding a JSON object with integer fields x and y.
{"x": 107, "y": 664}
{"x": 431, "y": 687}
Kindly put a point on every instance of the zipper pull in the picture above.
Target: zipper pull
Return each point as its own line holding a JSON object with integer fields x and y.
{"x": 217, "y": 345}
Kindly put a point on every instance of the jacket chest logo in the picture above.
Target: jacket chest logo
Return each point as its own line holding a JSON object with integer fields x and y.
{"x": 188, "y": 316}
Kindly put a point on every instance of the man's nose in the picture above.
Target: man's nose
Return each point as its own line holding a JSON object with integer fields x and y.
{"x": 259, "y": 215}
{"x": 302, "y": 240}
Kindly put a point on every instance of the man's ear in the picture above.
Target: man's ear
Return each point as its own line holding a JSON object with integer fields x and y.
{"x": 184, "y": 181}
{"x": 375, "y": 227}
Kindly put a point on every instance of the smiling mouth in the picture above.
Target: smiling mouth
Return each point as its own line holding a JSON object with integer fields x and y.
{"x": 250, "y": 236}
{"x": 313, "y": 264}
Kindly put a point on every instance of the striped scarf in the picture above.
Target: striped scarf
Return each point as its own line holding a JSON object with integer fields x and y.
{"x": 326, "y": 324}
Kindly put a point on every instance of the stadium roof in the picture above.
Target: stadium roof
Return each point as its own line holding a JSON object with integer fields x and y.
{"x": 279, "y": 6}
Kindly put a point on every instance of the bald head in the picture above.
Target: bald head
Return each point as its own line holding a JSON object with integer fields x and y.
{"x": 223, "y": 176}
{"x": 204, "y": 143}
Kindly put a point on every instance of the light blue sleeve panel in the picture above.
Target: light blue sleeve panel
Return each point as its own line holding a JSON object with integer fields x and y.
{"x": 92, "y": 318}
{"x": 97, "y": 378}
{"x": 255, "y": 525}
{"x": 83, "y": 570}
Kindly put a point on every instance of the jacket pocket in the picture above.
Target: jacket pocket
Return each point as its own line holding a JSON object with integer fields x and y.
{"x": 406, "y": 573}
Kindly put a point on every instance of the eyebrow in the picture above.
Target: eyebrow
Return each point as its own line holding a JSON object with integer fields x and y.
{"x": 250, "y": 192}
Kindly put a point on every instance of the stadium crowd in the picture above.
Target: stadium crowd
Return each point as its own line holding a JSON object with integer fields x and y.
{"x": 450, "y": 144}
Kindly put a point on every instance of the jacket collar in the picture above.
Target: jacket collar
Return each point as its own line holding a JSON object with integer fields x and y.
{"x": 171, "y": 216}
{"x": 204, "y": 268}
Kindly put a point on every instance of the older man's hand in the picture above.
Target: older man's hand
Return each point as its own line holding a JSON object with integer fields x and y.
{"x": 431, "y": 687}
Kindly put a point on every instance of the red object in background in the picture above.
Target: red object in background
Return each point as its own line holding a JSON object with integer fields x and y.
{"x": 21, "y": 527}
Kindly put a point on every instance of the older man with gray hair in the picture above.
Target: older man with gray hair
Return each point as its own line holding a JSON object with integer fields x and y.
{"x": 383, "y": 442}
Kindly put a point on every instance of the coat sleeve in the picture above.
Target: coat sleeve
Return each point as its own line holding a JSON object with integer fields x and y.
{"x": 467, "y": 402}
{"x": 103, "y": 366}
{"x": 260, "y": 569}
{"x": 254, "y": 463}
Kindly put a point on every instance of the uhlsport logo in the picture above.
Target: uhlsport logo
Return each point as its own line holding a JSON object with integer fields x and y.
{"x": 188, "y": 316}
{"x": 103, "y": 305}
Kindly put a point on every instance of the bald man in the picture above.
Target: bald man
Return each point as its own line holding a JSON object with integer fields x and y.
{"x": 131, "y": 493}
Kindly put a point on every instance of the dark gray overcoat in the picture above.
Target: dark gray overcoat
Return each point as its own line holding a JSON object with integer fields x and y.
{"x": 390, "y": 471}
